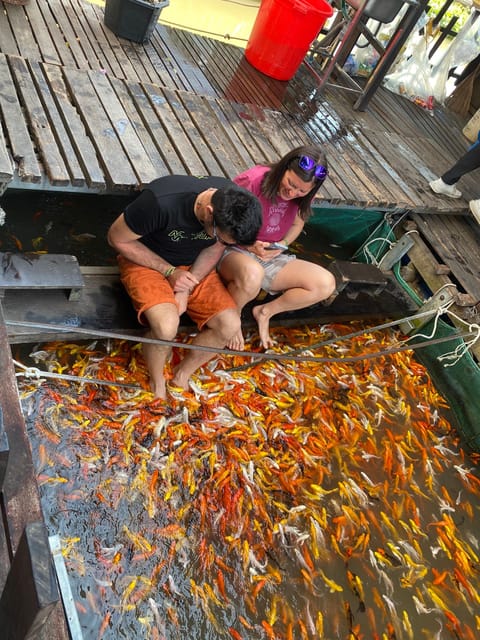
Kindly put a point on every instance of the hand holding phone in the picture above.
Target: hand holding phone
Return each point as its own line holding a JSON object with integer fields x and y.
{"x": 276, "y": 246}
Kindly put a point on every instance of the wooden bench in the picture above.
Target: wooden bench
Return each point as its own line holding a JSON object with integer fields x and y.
{"x": 40, "y": 271}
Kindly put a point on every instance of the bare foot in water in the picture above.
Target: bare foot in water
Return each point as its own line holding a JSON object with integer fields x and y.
{"x": 262, "y": 317}
{"x": 237, "y": 343}
{"x": 159, "y": 389}
{"x": 180, "y": 380}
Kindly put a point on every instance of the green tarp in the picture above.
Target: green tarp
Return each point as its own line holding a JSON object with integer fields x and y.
{"x": 366, "y": 236}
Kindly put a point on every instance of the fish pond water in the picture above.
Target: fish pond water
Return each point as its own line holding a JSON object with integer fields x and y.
{"x": 323, "y": 496}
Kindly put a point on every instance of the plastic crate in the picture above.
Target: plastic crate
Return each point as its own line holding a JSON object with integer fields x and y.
{"x": 133, "y": 19}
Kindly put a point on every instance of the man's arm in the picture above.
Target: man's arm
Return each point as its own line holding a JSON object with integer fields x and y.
{"x": 127, "y": 243}
{"x": 207, "y": 260}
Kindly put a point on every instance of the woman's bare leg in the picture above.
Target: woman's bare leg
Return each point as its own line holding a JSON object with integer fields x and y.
{"x": 303, "y": 284}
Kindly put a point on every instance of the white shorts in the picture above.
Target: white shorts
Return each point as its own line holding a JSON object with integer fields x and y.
{"x": 270, "y": 267}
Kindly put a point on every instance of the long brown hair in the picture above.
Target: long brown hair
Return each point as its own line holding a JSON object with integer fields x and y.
{"x": 272, "y": 179}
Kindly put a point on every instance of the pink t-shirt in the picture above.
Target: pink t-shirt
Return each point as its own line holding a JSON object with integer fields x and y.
{"x": 278, "y": 216}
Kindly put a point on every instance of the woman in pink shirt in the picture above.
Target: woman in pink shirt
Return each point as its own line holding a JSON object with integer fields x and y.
{"x": 286, "y": 190}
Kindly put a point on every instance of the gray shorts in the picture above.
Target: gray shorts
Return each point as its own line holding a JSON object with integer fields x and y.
{"x": 270, "y": 267}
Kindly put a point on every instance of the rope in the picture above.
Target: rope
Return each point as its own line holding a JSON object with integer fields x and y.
{"x": 454, "y": 356}
{"x": 349, "y": 336}
{"x": 291, "y": 355}
{"x": 33, "y": 372}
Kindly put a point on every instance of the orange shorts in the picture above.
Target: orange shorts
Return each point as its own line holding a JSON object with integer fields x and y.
{"x": 147, "y": 288}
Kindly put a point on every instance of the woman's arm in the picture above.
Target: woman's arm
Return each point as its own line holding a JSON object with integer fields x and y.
{"x": 295, "y": 230}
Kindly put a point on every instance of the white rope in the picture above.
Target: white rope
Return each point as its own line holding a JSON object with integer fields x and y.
{"x": 452, "y": 357}
{"x": 38, "y": 374}
{"x": 28, "y": 372}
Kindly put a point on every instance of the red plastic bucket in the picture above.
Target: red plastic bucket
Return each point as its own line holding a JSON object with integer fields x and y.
{"x": 282, "y": 34}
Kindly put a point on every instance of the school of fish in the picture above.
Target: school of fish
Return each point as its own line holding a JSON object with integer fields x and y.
{"x": 287, "y": 500}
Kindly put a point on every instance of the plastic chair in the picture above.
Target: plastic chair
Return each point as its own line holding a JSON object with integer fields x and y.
{"x": 349, "y": 24}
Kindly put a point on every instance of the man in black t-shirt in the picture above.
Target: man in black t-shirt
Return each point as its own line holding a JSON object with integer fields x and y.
{"x": 169, "y": 241}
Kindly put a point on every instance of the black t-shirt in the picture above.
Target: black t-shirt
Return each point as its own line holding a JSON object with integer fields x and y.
{"x": 163, "y": 215}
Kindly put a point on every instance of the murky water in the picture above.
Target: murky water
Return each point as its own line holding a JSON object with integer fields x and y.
{"x": 289, "y": 500}
{"x": 50, "y": 222}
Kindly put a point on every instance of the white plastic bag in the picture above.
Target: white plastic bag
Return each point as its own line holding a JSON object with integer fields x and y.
{"x": 464, "y": 48}
{"x": 411, "y": 76}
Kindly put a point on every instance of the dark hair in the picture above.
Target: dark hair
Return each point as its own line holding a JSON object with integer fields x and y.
{"x": 272, "y": 179}
{"x": 237, "y": 212}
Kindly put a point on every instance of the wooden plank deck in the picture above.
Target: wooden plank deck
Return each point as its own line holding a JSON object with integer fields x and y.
{"x": 103, "y": 114}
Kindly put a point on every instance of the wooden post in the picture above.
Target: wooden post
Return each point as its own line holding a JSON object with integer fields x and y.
{"x": 30, "y": 592}
{"x": 3, "y": 451}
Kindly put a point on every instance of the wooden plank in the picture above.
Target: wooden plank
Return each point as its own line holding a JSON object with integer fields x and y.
{"x": 84, "y": 47}
{"x": 407, "y": 194}
{"x": 175, "y": 131}
{"x": 115, "y": 163}
{"x": 39, "y": 124}
{"x": 27, "y": 45}
{"x": 104, "y": 305}
{"x": 123, "y": 126}
{"x": 39, "y": 271}
{"x": 56, "y": 35}
{"x": 64, "y": 16}
{"x": 31, "y": 592}
{"x": 77, "y": 177}
{"x": 93, "y": 17}
{"x": 251, "y": 115}
{"x": 156, "y": 129}
{"x": 6, "y": 163}
{"x": 190, "y": 58}
{"x": 8, "y": 43}
{"x": 16, "y": 129}
{"x": 136, "y": 117}
{"x": 418, "y": 175}
{"x": 84, "y": 149}
{"x": 275, "y": 135}
{"x": 197, "y": 136}
{"x": 426, "y": 265}
{"x": 178, "y": 62}
{"x": 217, "y": 139}
{"x": 20, "y": 493}
{"x": 4, "y": 451}
{"x": 42, "y": 35}
{"x": 155, "y": 68}
{"x": 215, "y": 105}
{"x": 340, "y": 172}
{"x": 456, "y": 242}
{"x": 238, "y": 118}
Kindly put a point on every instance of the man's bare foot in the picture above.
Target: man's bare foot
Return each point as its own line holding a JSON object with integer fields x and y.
{"x": 158, "y": 389}
{"x": 180, "y": 379}
{"x": 237, "y": 343}
{"x": 262, "y": 317}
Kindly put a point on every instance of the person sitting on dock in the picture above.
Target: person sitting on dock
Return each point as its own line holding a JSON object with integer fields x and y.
{"x": 169, "y": 240}
{"x": 285, "y": 189}
{"x": 445, "y": 185}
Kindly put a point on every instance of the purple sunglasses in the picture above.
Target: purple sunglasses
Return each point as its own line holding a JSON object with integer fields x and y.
{"x": 309, "y": 165}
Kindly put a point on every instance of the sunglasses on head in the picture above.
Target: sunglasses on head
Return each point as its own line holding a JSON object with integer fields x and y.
{"x": 218, "y": 239}
{"x": 309, "y": 165}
